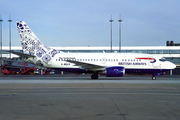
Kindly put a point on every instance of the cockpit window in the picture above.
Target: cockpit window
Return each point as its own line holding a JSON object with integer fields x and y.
{"x": 162, "y": 59}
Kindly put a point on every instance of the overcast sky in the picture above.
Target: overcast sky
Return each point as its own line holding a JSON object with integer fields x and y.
{"x": 86, "y": 22}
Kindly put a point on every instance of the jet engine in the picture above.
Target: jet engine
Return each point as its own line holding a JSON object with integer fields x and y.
{"x": 114, "y": 71}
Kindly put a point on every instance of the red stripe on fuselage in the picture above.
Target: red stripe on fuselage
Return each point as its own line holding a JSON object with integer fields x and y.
{"x": 146, "y": 58}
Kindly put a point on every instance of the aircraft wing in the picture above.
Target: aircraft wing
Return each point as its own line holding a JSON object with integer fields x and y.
{"x": 21, "y": 54}
{"x": 88, "y": 66}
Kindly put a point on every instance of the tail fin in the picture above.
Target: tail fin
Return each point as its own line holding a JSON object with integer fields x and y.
{"x": 33, "y": 46}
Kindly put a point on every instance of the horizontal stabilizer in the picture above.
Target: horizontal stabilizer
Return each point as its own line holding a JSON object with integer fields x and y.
{"x": 21, "y": 54}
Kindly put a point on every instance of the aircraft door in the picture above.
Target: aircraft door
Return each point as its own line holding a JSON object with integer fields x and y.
{"x": 151, "y": 61}
{"x": 103, "y": 60}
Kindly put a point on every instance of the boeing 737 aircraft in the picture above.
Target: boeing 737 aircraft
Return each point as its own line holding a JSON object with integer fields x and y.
{"x": 110, "y": 64}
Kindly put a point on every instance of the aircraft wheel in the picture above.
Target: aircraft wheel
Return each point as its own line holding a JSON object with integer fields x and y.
{"x": 94, "y": 76}
{"x": 153, "y": 77}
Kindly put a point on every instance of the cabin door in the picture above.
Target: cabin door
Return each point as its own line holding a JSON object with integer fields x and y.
{"x": 150, "y": 61}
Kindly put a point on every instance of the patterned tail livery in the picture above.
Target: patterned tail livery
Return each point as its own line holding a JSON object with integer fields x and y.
{"x": 31, "y": 45}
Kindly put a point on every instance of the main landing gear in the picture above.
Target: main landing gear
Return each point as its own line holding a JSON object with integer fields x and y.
{"x": 94, "y": 76}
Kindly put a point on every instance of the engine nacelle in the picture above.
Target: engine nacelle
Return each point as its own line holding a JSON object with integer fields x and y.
{"x": 115, "y": 71}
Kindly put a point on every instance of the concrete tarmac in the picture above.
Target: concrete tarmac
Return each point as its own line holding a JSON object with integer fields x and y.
{"x": 72, "y": 97}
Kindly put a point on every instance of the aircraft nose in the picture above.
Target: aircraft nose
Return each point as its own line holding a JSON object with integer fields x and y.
{"x": 168, "y": 65}
{"x": 173, "y": 66}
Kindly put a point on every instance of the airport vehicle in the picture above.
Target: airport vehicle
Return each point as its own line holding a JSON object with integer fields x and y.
{"x": 110, "y": 64}
{"x": 6, "y": 72}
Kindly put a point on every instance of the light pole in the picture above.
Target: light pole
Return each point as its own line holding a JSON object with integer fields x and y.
{"x": 111, "y": 31}
{"x": 119, "y": 33}
{"x": 1, "y": 43}
{"x": 9, "y": 35}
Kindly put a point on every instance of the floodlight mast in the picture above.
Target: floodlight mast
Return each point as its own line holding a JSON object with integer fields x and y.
{"x": 119, "y": 32}
{"x": 10, "y": 34}
{"x": 1, "y": 42}
{"x": 111, "y": 31}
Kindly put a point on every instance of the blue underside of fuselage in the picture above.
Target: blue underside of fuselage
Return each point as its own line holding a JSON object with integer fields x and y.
{"x": 128, "y": 71}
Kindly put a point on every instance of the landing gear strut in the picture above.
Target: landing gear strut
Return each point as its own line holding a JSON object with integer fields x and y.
{"x": 94, "y": 76}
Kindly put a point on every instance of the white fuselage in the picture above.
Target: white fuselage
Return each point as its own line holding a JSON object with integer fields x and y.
{"x": 129, "y": 61}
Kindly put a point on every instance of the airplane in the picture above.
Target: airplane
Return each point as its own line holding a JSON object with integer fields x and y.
{"x": 109, "y": 64}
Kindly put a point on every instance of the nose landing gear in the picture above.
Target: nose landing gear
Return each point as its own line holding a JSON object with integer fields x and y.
{"x": 153, "y": 77}
{"x": 155, "y": 74}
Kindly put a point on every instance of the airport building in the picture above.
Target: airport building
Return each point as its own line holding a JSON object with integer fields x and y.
{"x": 171, "y": 53}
